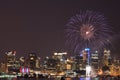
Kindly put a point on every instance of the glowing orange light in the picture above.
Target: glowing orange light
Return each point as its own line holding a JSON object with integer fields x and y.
{"x": 100, "y": 72}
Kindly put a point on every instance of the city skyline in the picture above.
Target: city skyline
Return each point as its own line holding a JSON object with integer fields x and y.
{"x": 35, "y": 26}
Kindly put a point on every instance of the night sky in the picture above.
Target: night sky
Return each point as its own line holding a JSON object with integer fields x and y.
{"x": 34, "y": 26}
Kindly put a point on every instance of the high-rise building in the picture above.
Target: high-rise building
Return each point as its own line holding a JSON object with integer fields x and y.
{"x": 32, "y": 57}
{"x": 22, "y": 61}
{"x": 79, "y": 61}
{"x": 12, "y": 64}
{"x": 61, "y": 57}
{"x": 107, "y": 60}
{"x": 95, "y": 60}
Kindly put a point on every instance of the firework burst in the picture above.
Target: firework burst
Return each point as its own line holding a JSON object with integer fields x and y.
{"x": 87, "y": 29}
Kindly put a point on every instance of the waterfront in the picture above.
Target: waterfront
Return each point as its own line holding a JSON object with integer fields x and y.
{"x": 97, "y": 78}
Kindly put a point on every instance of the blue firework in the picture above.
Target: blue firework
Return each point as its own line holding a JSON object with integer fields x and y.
{"x": 87, "y": 29}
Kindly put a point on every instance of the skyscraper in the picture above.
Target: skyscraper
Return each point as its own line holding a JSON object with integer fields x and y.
{"x": 32, "y": 57}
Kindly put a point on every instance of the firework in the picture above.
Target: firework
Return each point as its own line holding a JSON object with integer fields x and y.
{"x": 87, "y": 29}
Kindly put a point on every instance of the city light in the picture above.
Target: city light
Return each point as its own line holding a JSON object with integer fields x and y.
{"x": 88, "y": 71}
{"x": 84, "y": 64}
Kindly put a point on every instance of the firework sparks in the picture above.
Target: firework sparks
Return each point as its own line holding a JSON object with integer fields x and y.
{"x": 88, "y": 29}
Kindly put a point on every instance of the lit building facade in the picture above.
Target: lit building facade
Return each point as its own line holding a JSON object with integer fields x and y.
{"x": 12, "y": 63}
{"x": 95, "y": 60}
{"x": 32, "y": 57}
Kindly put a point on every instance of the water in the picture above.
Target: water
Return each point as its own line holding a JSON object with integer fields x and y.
{"x": 108, "y": 78}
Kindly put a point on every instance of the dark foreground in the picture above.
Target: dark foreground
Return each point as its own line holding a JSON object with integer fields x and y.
{"x": 97, "y": 78}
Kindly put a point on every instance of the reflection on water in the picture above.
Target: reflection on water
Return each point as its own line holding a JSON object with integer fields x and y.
{"x": 84, "y": 78}
{"x": 108, "y": 78}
